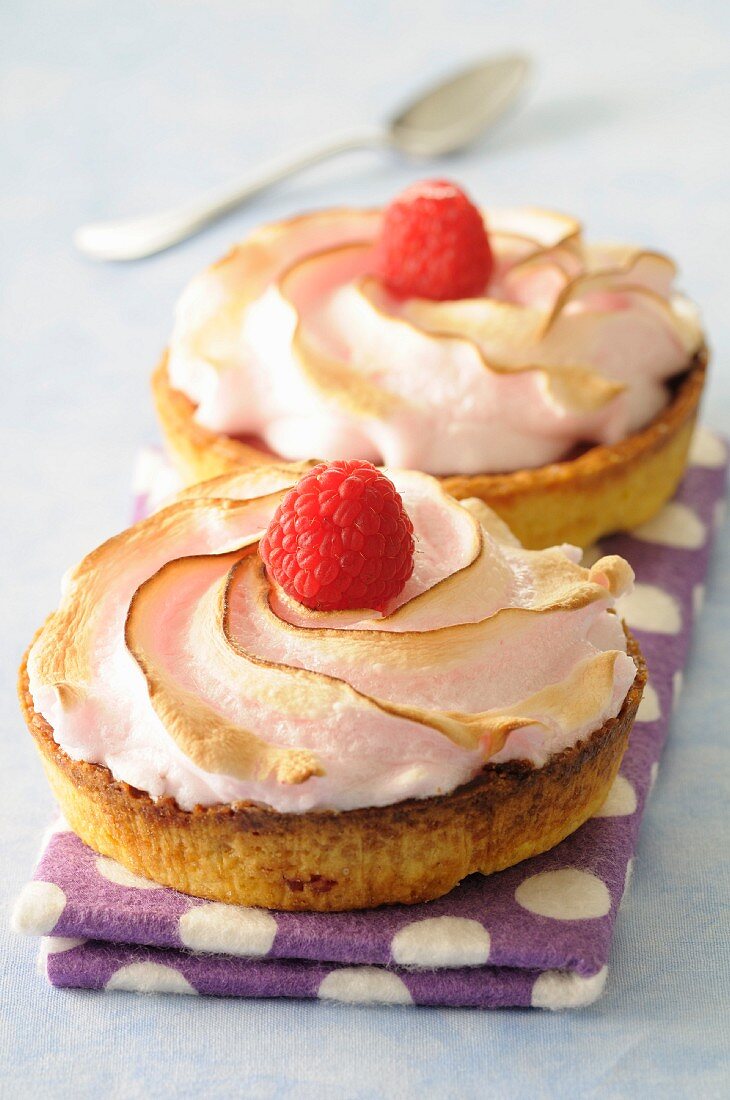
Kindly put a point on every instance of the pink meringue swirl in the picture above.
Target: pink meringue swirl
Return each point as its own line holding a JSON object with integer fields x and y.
{"x": 174, "y": 662}
{"x": 291, "y": 341}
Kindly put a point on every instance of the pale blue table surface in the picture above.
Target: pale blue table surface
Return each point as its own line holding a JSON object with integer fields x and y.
{"x": 120, "y": 107}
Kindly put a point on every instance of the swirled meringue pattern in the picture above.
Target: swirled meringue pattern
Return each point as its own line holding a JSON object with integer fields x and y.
{"x": 173, "y": 661}
{"x": 290, "y": 341}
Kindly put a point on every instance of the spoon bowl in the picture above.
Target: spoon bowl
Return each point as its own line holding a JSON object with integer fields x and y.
{"x": 450, "y": 116}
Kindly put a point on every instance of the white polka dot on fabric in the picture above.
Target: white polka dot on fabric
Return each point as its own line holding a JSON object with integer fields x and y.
{"x": 38, "y": 908}
{"x": 706, "y": 449}
{"x": 676, "y": 525}
{"x": 653, "y": 775}
{"x": 149, "y": 977}
{"x": 441, "y": 941}
{"x": 649, "y": 709}
{"x": 698, "y": 598}
{"x": 364, "y": 985}
{"x": 228, "y": 929}
{"x": 568, "y": 894}
{"x": 650, "y": 608}
{"x": 561, "y": 989}
{"x": 677, "y": 685}
{"x": 120, "y": 876}
{"x": 621, "y": 799}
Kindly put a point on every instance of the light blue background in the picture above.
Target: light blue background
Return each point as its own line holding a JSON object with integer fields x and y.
{"x": 114, "y": 107}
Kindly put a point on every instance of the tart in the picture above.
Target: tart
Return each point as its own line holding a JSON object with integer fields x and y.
{"x": 211, "y": 731}
{"x": 562, "y": 391}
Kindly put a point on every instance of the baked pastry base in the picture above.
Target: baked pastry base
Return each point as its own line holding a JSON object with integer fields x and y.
{"x": 412, "y": 851}
{"x": 604, "y": 489}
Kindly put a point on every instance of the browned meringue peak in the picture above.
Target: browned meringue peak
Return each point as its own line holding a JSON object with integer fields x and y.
{"x": 506, "y": 339}
{"x": 520, "y": 235}
{"x": 222, "y": 293}
{"x": 198, "y": 659}
{"x": 548, "y": 228}
{"x": 61, "y": 657}
{"x": 248, "y": 483}
{"x": 398, "y": 660}
{"x": 635, "y": 266}
{"x": 163, "y": 640}
{"x": 504, "y": 336}
{"x": 539, "y": 279}
{"x": 328, "y": 366}
{"x": 456, "y": 665}
{"x": 512, "y": 334}
{"x": 536, "y": 278}
{"x": 264, "y": 258}
{"x": 364, "y": 385}
{"x": 508, "y": 335}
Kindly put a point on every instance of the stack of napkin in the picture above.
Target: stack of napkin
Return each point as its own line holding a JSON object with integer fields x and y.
{"x": 537, "y": 934}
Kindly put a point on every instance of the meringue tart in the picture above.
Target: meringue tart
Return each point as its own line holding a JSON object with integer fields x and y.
{"x": 563, "y": 393}
{"x": 211, "y": 733}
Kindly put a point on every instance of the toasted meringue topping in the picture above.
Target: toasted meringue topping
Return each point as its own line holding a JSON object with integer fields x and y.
{"x": 290, "y": 339}
{"x": 173, "y": 661}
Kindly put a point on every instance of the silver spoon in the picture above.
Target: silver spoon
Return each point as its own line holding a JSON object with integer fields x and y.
{"x": 443, "y": 119}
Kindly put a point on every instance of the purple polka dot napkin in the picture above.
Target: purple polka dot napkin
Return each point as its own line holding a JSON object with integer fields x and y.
{"x": 536, "y": 935}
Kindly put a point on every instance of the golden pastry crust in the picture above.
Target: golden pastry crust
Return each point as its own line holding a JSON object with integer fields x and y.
{"x": 604, "y": 489}
{"x": 412, "y": 851}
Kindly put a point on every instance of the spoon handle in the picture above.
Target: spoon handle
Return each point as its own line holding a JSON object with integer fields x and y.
{"x": 134, "y": 238}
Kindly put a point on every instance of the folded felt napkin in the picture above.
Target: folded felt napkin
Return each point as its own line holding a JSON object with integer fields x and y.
{"x": 537, "y": 934}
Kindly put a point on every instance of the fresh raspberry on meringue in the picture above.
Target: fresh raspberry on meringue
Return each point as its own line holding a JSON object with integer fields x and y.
{"x": 433, "y": 244}
{"x": 340, "y": 539}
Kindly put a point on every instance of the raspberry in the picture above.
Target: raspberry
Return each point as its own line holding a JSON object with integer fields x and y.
{"x": 433, "y": 244}
{"x": 340, "y": 539}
